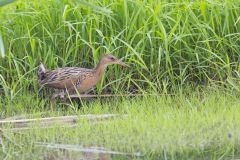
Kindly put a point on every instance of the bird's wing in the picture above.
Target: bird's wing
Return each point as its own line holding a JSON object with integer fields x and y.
{"x": 66, "y": 77}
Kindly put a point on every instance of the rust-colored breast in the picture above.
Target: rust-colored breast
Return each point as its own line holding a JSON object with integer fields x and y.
{"x": 87, "y": 84}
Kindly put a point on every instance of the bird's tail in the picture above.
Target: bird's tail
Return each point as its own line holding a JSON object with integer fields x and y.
{"x": 42, "y": 71}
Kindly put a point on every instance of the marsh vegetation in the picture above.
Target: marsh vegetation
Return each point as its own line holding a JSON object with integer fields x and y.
{"x": 185, "y": 53}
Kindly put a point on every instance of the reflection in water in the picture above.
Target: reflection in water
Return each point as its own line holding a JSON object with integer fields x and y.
{"x": 99, "y": 156}
{"x": 78, "y": 152}
{"x": 69, "y": 155}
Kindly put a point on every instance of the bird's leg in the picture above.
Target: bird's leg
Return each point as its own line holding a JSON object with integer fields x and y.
{"x": 87, "y": 92}
{"x": 62, "y": 94}
{"x": 58, "y": 94}
{"x": 53, "y": 100}
{"x": 54, "y": 96}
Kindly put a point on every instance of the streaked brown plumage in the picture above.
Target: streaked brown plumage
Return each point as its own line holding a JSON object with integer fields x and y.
{"x": 71, "y": 78}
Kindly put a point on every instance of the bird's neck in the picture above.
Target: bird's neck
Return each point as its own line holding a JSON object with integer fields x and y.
{"x": 100, "y": 69}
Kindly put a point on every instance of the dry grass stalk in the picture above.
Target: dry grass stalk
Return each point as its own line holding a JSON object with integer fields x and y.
{"x": 51, "y": 121}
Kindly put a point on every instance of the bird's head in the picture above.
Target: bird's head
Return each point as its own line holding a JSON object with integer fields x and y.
{"x": 110, "y": 59}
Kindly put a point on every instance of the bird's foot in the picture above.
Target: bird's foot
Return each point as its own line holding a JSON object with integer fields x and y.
{"x": 54, "y": 96}
{"x": 62, "y": 95}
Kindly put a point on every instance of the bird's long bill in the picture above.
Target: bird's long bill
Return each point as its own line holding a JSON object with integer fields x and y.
{"x": 122, "y": 64}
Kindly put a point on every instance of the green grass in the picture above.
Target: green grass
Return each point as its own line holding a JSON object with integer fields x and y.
{"x": 167, "y": 43}
{"x": 186, "y": 49}
{"x": 203, "y": 125}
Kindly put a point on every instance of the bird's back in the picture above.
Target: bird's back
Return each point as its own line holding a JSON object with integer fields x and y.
{"x": 62, "y": 78}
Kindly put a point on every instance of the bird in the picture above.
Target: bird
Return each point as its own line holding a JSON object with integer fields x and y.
{"x": 70, "y": 79}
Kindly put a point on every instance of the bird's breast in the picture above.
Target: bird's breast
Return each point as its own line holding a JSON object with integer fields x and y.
{"x": 88, "y": 84}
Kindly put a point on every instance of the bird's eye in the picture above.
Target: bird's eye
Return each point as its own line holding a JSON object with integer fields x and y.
{"x": 112, "y": 58}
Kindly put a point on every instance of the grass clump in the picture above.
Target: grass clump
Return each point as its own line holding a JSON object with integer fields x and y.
{"x": 171, "y": 45}
{"x": 202, "y": 125}
{"x": 168, "y": 43}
